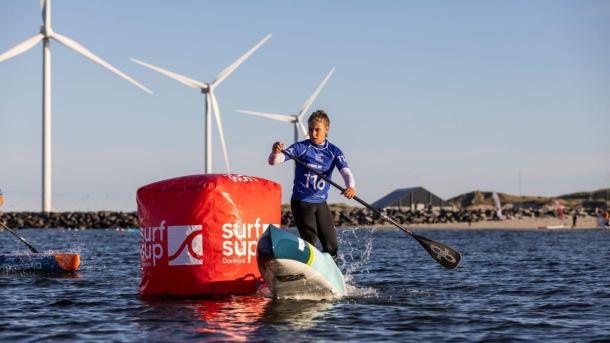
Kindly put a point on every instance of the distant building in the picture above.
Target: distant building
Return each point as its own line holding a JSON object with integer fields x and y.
{"x": 414, "y": 198}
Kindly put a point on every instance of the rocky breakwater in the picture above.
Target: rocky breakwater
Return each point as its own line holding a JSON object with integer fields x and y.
{"x": 343, "y": 217}
{"x": 355, "y": 216}
{"x": 70, "y": 220}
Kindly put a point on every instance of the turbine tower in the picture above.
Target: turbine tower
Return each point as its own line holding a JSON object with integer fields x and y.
{"x": 211, "y": 103}
{"x": 294, "y": 118}
{"x": 45, "y": 35}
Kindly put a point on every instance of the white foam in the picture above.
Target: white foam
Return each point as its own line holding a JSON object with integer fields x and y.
{"x": 358, "y": 292}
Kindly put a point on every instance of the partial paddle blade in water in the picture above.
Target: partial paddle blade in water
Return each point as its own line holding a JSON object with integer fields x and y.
{"x": 443, "y": 254}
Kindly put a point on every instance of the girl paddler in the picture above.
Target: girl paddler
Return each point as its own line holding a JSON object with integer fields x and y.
{"x": 309, "y": 193}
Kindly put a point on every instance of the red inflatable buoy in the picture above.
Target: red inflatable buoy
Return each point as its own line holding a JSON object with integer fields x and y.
{"x": 199, "y": 233}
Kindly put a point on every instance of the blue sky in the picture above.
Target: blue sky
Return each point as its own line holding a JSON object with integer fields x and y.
{"x": 452, "y": 96}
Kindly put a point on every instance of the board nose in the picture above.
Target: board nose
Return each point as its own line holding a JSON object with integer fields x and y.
{"x": 68, "y": 262}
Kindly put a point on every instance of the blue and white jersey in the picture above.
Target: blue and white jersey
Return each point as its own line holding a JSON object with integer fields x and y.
{"x": 309, "y": 187}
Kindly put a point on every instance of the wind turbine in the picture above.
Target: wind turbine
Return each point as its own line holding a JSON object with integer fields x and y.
{"x": 294, "y": 118}
{"x": 211, "y": 104}
{"x": 45, "y": 35}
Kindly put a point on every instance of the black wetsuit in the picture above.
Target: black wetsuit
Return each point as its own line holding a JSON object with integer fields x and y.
{"x": 314, "y": 220}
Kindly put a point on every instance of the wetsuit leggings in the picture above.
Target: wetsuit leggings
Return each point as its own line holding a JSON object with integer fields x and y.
{"x": 314, "y": 220}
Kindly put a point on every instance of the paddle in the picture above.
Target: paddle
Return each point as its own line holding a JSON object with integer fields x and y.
{"x": 20, "y": 238}
{"x": 443, "y": 254}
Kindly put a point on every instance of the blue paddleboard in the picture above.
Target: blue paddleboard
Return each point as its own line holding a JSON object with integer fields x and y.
{"x": 293, "y": 268}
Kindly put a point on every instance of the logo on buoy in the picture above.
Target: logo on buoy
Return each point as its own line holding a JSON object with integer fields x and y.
{"x": 151, "y": 244}
{"x": 185, "y": 245}
{"x": 240, "y": 178}
{"x": 182, "y": 245}
{"x": 240, "y": 241}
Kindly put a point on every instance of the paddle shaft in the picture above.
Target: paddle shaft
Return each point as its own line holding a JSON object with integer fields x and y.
{"x": 443, "y": 254}
{"x": 19, "y": 237}
{"x": 342, "y": 189}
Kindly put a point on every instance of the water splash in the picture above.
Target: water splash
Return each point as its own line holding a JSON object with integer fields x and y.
{"x": 354, "y": 257}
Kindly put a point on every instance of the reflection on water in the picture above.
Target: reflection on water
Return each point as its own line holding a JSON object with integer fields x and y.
{"x": 295, "y": 314}
{"x": 219, "y": 318}
{"x": 233, "y": 318}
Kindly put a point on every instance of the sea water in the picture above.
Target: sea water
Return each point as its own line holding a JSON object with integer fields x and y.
{"x": 511, "y": 286}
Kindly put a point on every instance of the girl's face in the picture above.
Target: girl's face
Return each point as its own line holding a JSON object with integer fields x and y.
{"x": 318, "y": 131}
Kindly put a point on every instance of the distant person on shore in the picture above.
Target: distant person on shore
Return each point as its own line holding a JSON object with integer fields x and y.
{"x": 574, "y": 218}
{"x": 600, "y": 218}
{"x": 309, "y": 193}
{"x": 1, "y": 198}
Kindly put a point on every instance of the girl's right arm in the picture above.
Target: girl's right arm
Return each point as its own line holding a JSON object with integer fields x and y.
{"x": 276, "y": 157}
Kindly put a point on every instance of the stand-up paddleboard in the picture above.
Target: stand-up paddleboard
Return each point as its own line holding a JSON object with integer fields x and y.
{"x": 37, "y": 261}
{"x": 40, "y": 262}
{"x": 293, "y": 268}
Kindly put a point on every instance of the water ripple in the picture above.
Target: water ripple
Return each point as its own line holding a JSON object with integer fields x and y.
{"x": 512, "y": 286}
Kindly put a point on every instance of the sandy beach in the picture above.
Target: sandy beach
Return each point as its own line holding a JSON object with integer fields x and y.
{"x": 513, "y": 224}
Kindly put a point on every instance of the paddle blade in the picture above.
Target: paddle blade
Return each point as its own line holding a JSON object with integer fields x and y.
{"x": 443, "y": 254}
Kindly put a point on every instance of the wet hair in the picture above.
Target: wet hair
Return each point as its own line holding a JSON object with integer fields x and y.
{"x": 319, "y": 115}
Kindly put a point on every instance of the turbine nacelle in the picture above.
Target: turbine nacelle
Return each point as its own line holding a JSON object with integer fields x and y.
{"x": 45, "y": 34}
{"x": 212, "y": 107}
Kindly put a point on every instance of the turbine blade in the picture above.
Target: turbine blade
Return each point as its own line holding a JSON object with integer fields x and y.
{"x": 83, "y": 51}
{"x": 303, "y": 129}
{"x": 315, "y": 94}
{"x": 43, "y": 4}
{"x": 280, "y": 117}
{"x": 216, "y": 111}
{"x": 231, "y": 68}
{"x": 21, "y": 47}
{"x": 180, "y": 78}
